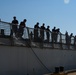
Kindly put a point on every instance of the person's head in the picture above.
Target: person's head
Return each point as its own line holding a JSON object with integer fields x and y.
{"x": 14, "y": 17}
{"x": 24, "y": 20}
{"x": 43, "y": 24}
{"x": 48, "y": 26}
{"x": 37, "y": 23}
{"x": 71, "y": 34}
{"x": 54, "y": 27}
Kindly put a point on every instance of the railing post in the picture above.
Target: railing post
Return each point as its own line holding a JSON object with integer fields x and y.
{"x": 61, "y": 41}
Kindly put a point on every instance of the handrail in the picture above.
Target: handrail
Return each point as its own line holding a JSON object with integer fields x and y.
{"x": 39, "y": 35}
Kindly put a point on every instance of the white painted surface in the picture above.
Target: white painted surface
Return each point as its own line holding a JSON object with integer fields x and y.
{"x": 22, "y": 61}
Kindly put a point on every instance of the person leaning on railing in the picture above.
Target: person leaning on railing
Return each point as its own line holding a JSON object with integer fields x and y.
{"x": 21, "y": 28}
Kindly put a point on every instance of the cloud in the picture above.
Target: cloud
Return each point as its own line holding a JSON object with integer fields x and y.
{"x": 66, "y": 1}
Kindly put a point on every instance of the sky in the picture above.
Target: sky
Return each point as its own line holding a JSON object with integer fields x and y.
{"x": 58, "y": 13}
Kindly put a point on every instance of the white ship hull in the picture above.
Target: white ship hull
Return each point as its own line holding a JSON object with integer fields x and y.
{"x": 22, "y": 61}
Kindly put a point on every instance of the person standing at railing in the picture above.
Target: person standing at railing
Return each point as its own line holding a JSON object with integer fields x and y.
{"x": 56, "y": 35}
{"x": 36, "y": 27}
{"x": 14, "y": 25}
{"x": 53, "y": 37}
{"x": 21, "y": 28}
{"x": 67, "y": 38}
{"x": 70, "y": 38}
{"x": 42, "y": 30}
{"x": 75, "y": 40}
{"x": 48, "y": 33}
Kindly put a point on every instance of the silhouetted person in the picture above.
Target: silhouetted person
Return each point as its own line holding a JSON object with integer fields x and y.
{"x": 57, "y": 31}
{"x": 21, "y": 27}
{"x": 31, "y": 35}
{"x": 36, "y": 27}
{"x": 75, "y": 40}
{"x": 70, "y": 40}
{"x": 48, "y": 33}
{"x": 67, "y": 38}
{"x": 42, "y": 31}
{"x": 14, "y": 26}
{"x": 53, "y": 34}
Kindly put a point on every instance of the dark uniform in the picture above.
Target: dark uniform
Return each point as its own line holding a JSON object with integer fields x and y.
{"x": 48, "y": 33}
{"x": 42, "y": 31}
{"x": 36, "y": 27}
{"x": 21, "y": 27}
{"x": 14, "y": 26}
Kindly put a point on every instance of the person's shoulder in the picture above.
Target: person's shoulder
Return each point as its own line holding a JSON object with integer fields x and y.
{"x": 21, "y": 22}
{"x": 12, "y": 21}
{"x": 16, "y": 20}
{"x": 44, "y": 28}
{"x": 41, "y": 27}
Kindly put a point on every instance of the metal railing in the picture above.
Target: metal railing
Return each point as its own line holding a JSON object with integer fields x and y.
{"x": 43, "y": 37}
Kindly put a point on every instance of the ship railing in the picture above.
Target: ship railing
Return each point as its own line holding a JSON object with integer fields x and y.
{"x": 5, "y": 28}
{"x": 56, "y": 40}
{"x": 36, "y": 37}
